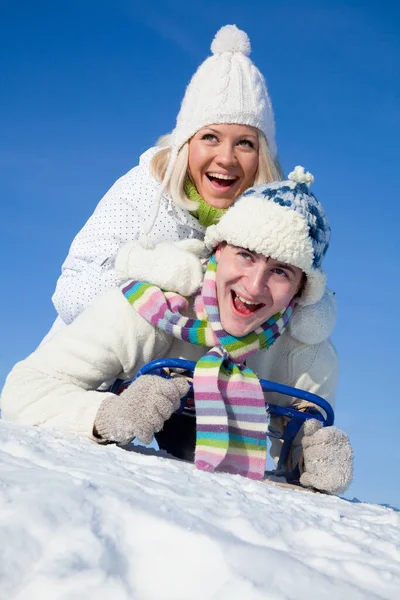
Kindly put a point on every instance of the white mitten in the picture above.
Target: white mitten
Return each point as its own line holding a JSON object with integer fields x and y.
{"x": 172, "y": 266}
{"x": 314, "y": 323}
{"x": 328, "y": 458}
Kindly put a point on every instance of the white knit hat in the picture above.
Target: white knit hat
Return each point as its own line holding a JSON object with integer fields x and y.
{"x": 282, "y": 220}
{"x": 226, "y": 88}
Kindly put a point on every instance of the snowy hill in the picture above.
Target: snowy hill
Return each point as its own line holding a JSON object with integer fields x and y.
{"x": 80, "y": 521}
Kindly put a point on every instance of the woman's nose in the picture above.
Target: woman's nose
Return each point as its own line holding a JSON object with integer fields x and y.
{"x": 226, "y": 154}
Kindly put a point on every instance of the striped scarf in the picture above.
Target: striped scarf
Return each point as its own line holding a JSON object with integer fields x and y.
{"x": 231, "y": 419}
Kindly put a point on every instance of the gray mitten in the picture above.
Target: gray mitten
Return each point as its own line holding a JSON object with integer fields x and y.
{"x": 141, "y": 409}
{"x": 328, "y": 458}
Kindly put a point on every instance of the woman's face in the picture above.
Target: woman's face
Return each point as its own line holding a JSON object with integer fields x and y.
{"x": 223, "y": 162}
{"x": 252, "y": 288}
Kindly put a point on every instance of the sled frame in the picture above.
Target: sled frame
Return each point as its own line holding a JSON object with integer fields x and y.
{"x": 295, "y": 417}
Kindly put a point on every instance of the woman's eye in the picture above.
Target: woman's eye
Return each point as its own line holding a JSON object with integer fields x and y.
{"x": 245, "y": 254}
{"x": 209, "y": 137}
{"x": 247, "y": 143}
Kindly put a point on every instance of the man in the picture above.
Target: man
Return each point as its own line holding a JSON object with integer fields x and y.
{"x": 268, "y": 250}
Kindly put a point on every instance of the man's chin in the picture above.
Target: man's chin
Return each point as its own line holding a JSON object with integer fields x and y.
{"x": 240, "y": 331}
{"x": 239, "y": 328}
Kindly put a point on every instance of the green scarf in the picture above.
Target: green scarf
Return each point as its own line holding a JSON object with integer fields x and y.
{"x": 205, "y": 214}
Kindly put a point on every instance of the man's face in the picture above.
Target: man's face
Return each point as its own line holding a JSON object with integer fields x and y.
{"x": 251, "y": 288}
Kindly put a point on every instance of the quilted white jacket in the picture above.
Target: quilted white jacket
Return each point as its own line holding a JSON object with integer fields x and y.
{"x": 120, "y": 217}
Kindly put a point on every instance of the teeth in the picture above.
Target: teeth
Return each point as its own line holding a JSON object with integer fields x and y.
{"x": 221, "y": 176}
{"x": 246, "y": 301}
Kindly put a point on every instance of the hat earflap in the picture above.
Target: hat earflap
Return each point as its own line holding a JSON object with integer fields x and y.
{"x": 314, "y": 288}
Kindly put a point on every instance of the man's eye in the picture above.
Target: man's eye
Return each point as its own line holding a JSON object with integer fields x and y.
{"x": 280, "y": 272}
{"x": 244, "y": 254}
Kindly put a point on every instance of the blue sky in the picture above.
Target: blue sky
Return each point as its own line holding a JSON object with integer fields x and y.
{"x": 86, "y": 86}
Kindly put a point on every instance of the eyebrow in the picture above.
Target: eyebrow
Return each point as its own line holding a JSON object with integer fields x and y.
{"x": 253, "y": 135}
{"x": 279, "y": 263}
{"x": 286, "y": 266}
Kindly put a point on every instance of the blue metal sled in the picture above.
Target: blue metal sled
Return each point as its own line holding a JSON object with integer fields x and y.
{"x": 295, "y": 417}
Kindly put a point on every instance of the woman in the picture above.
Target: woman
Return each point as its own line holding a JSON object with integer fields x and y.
{"x": 223, "y": 142}
{"x": 267, "y": 256}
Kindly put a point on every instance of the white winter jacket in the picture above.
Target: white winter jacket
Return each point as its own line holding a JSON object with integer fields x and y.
{"x": 120, "y": 217}
{"x": 56, "y": 386}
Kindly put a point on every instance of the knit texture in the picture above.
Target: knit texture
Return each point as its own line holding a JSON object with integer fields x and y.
{"x": 226, "y": 88}
{"x": 122, "y": 418}
{"x": 328, "y": 458}
{"x": 206, "y": 214}
{"x": 230, "y": 407}
{"x": 281, "y": 220}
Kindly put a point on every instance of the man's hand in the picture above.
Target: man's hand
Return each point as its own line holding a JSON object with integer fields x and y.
{"x": 140, "y": 411}
{"x": 328, "y": 458}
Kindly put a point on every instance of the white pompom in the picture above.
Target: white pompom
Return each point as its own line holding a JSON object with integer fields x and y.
{"x": 231, "y": 39}
{"x": 300, "y": 175}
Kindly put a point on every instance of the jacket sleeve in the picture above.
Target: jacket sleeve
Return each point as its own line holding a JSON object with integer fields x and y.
{"x": 56, "y": 386}
{"x": 313, "y": 368}
{"x": 89, "y": 268}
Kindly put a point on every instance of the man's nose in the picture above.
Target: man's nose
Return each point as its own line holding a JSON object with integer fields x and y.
{"x": 257, "y": 281}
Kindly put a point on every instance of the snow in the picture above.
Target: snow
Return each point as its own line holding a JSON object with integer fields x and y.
{"x": 81, "y": 521}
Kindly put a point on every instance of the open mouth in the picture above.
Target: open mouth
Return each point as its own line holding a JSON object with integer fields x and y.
{"x": 222, "y": 182}
{"x": 243, "y": 306}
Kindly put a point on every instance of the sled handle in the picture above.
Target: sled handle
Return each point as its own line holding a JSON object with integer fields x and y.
{"x": 267, "y": 386}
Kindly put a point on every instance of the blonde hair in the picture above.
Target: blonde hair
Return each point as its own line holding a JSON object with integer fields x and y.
{"x": 268, "y": 168}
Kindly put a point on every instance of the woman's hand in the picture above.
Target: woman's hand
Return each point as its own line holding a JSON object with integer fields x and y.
{"x": 140, "y": 411}
{"x": 172, "y": 266}
{"x": 328, "y": 458}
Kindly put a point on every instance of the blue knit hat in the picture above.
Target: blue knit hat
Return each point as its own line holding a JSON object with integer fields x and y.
{"x": 282, "y": 220}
